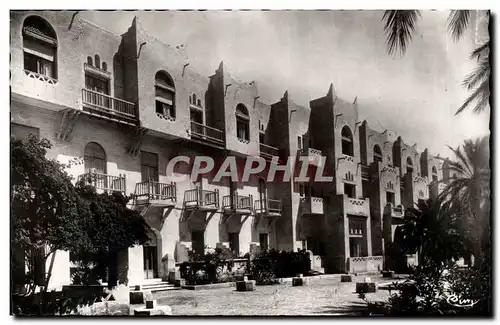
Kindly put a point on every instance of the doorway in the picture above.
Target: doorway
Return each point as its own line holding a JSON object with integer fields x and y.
{"x": 150, "y": 262}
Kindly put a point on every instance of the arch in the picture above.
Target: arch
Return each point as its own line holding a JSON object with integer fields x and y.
{"x": 94, "y": 157}
{"x": 242, "y": 123}
{"x": 152, "y": 254}
{"x": 39, "y": 47}
{"x": 409, "y": 165}
{"x": 165, "y": 94}
{"x": 347, "y": 141}
{"x": 97, "y": 60}
{"x": 377, "y": 153}
{"x": 89, "y": 61}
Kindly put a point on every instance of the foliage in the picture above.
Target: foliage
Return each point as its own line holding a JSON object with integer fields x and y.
{"x": 45, "y": 210}
{"x": 269, "y": 266}
{"x": 433, "y": 230}
{"x": 211, "y": 267}
{"x": 400, "y": 25}
{"x": 110, "y": 227}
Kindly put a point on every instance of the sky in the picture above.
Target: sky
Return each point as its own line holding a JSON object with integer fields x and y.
{"x": 415, "y": 95}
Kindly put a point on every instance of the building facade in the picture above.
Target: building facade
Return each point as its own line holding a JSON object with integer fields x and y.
{"x": 128, "y": 104}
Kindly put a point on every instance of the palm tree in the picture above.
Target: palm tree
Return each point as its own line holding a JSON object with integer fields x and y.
{"x": 400, "y": 25}
{"x": 432, "y": 229}
{"x": 470, "y": 186}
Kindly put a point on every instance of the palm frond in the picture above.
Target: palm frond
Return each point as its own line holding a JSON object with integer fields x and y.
{"x": 399, "y": 28}
{"x": 481, "y": 73}
{"x": 480, "y": 96}
{"x": 458, "y": 20}
{"x": 481, "y": 51}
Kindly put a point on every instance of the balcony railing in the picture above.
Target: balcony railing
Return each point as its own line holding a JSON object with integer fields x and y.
{"x": 155, "y": 192}
{"x": 109, "y": 107}
{"x": 105, "y": 182}
{"x": 268, "y": 206}
{"x": 206, "y": 133}
{"x": 356, "y": 206}
{"x": 314, "y": 156}
{"x": 198, "y": 198}
{"x": 313, "y": 205}
{"x": 237, "y": 202}
{"x": 394, "y": 211}
{"x": 268, "y": 152}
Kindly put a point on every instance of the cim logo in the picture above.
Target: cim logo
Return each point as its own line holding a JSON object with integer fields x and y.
{"x": 456, "y": 301}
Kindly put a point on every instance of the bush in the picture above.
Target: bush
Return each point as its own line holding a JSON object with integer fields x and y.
{"x": 269, "y": 266}
{"x": 213, "y": 267}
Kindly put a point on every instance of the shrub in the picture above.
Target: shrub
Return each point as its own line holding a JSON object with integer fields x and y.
{"x": 212, "y": 267}
{"x": 269, "y": 266}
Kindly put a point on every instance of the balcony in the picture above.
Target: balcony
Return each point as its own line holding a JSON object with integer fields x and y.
{"x": 103, "y": 182}
{"x": 108, "y": 107}
{"x": 268, "y": 152}
{"x": 206, "y": 134}
{"x": 360, "y": 207}
{"x": 314, "y": 156}
{"x": 201, "y": 199}
{"x": 238, "y": 204}
{"x": 155, "y": 194}
{"x": 268, "y": 207}
{"x": 312, "y": 205}
{"x": 394, "y": 211}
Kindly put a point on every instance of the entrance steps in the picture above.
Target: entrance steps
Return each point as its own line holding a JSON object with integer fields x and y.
{"x": 155, "y": 285}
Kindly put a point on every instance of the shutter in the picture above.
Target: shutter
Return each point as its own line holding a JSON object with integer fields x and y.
{"x": 42, "y": 50}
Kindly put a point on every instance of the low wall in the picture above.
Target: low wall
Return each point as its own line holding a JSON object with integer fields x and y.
{"x": 364, "y": 264}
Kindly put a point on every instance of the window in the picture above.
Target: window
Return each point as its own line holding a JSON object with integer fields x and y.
{"x": 409, "y": 165}
{"x": 97, "y": 61}
{"x": 196, "y": 116}
{"x": 94, "y": 157}
{"x": 194, "y": 99}
{"x": 149, "y": 166}
{"x": 434, "y": 174}
{"x": 299, "y": 142}
{"x": 350, "y": 190}
{"x": 234, "y": 243}
{"x": 347, "y": 142}
{"x": 377, "y": 154}
{"x": 198, "y": 242}
{"x": 264, "y": 241}
{"x": 22, "y": 132}
{"x": 39, "y": 47}
{"x": 242, "y": 123}
{"x": 96, "y": 84}
{"x": 165, "y": 94}
{"x": 390, "y": 198}
{"x": 355, "y": 245}
{"x": 261, "y": 137}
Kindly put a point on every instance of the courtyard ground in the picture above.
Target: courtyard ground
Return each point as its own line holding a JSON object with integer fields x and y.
{"x": 321, "y": 297}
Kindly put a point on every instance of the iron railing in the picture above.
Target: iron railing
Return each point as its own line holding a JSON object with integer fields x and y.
{"x": 202, "y": 197}
{"x": 206, "y": 132}
{"x": 107, "y": 104}
{"x": 105, "y": 182}
{"x": 268, "y": 152}
{"x": 268, "y": 206}
{"x": 237, "y": 202}
{"x": 152, "y": 190}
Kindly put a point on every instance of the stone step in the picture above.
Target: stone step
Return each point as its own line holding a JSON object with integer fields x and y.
{"x": 155, "y": 287}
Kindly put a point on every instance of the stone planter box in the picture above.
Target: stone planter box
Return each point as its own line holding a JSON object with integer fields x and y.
{"x": 387, "y": 274}
{"x": 139, "y": 297}
{"x": 297, "y": 282}
{"x": 208, "y": 286}
{"x": 157, "y": 311}
{"x": 346, "y": 278}
{"x": 248, "y": 285}
{"x": 179, "y": 283}
{"x": 366, "y": 287}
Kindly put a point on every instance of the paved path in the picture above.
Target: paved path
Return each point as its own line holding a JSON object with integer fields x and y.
{"x": 321, "y": 297}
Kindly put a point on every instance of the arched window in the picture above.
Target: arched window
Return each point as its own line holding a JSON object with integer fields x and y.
{"x": 89, "y": 60}
{"x": 409, "y": 165}
{"x": 165, "y": 94}
{"x": 347, "y": 143}
{"x": 194, "y": 99}
{"x": 199, "y": 102}
{"x": 94, "y": 158}
{"x": 104, "y": 66}
{"x": 434, "y": 174}
{"x": 97, "y": 61}
{"x": 39, "y": 47}
{"x": 242, "y": 122}
{"x": 377, "y": 153}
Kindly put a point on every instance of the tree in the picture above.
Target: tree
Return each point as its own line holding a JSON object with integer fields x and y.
{"x": 432, "y": 229}
{"x": 470, "y": 185}
{"x": 111, "y": 228}
{"x": 400, "y": 25}
{"x": 44, "y": 213}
